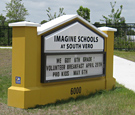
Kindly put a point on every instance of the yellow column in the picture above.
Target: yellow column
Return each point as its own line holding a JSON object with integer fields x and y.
{"x": 25, "y": 57}
{"x": 109, "y": 47}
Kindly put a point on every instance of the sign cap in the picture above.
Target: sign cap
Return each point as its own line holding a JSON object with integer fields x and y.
{"x": 24, "y": 23}
{"x": 107, "y": 29}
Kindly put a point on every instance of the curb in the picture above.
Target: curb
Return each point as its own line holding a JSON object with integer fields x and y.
{"x": 5, "y": 47}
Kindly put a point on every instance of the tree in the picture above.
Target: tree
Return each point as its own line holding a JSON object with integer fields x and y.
{"x": 2, "y": 20}
{"x": 51, "y": 17}
{"x": 115, "y": 16}
{"x": 84, "y": 13}
{"x": 44, "y": 21}
{"x": 15, "y": 11}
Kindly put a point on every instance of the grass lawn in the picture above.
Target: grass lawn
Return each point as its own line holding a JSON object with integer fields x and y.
{"x": 125, "y": 54}
{"x": 119, "y": 101}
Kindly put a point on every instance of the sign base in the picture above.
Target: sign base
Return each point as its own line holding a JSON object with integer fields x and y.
{"x": 50, "y": 93}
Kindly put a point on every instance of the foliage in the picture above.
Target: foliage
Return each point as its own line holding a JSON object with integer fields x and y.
{"x": 115, "y": 16}
{"x": 51, "y": 17}
{"x": 115, "y": 20}
{"x": 2, "y": 20}
{"x": 84, "y": 13}
{"x": 44, "y": 21}
{"x": 124, "y": 44}
{"x": 15, "y": 11}
{"x": 5, "y": 35}
{"x": 131, "y": 32}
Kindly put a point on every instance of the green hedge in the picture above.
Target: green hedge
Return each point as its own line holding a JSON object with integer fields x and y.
{"x": 123, "y": 44}
{"x": 5, "y": 36}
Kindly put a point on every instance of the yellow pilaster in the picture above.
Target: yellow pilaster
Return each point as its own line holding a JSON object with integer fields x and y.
{"x": 109, "y": 47}
{"x": 25, "y": 65}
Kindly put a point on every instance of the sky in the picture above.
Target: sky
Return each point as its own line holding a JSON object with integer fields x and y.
{"x": 37, "y": 8}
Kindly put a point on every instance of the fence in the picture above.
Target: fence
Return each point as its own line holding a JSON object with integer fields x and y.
{"x": 124, "y": 37}
{"x": 5, "y": 36}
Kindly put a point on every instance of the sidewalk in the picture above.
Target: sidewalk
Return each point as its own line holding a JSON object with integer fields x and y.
{"x": 124, "y": 72}
{"x": 5, "y": 47}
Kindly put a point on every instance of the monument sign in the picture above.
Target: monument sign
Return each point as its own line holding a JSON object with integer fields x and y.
{"x": 63, "y": 58}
